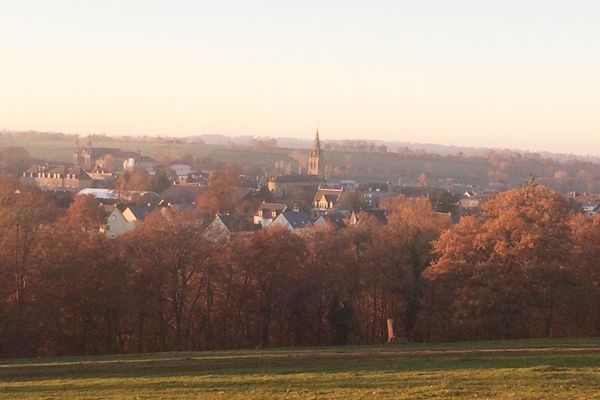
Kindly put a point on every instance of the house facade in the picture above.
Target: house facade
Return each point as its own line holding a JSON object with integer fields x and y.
{"x": 326, "y": 199}
{"x": 267, "y": 212}
{"x": 120, "y": 222}
{"x": 140, "y": 161}
{"x": 281, "y": 186}
{"x": 61, "y": 177}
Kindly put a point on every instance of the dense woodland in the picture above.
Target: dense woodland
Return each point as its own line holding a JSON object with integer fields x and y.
{"x": 526, "y": 267}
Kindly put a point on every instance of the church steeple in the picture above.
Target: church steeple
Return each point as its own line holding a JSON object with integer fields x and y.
{"x": 77, "y": 155}
{"x": 317, "y": 144}
{"x": 315, "y": 158}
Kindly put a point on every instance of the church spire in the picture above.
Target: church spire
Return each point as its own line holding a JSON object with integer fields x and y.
{"x": 316, "y": 149}
{"x": 315, "y": 160}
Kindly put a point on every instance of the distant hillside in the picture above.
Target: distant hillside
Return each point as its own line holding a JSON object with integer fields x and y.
{"x": 444, "y": 150}
{"x": 435, "y": 165}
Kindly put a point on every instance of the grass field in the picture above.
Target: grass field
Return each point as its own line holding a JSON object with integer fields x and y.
{"x": 365, "y": 165}
{"x": 531, "y": 369}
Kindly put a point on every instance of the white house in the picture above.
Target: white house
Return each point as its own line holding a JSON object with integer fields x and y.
{"x": 139, "y": 161}
{"x": 267, "y": 212}
{"x": 183, "y": 172}
{"x": 119, "y": 222}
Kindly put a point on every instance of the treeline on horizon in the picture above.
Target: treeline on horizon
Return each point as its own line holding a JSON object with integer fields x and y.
{"x": 526, "y": 267}
{"x": 499, "y": 169}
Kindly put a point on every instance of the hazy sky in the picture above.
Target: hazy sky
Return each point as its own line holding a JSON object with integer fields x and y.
{"x": 520, "y": 74}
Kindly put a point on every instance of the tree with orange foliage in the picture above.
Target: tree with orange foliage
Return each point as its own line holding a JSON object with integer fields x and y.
{"x": 413, "y": 226}
{"x": 136, "y": 179}
{"x": 329, "y": 290}
{"x": 585, "y": 301}
{"x": 507, "y": 268}
{"x": 171, "y": 270}
{"x": 362, "y": 276}
{"x": 83, "y": 292}
{"x": 270, "y": 261}
{"x": 218, "y": 196}
{"x": 24, "y": 211}
{"x": 86, "y": 213}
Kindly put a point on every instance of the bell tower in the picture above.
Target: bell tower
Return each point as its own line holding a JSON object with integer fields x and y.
{"x": 315, "y": 159}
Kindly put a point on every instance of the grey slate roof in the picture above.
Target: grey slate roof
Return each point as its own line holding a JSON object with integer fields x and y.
{"x": 139, "y": 212}
{"x": 181, "y": 194}
{"x": 334, "y": 218}
{"x": 297, "y": 219}
{"x": 237, "y": 223}
{"x": 379, "y": 214}
{"x": 297, "y": 178}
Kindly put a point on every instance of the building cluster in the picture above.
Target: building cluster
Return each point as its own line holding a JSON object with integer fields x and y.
{"x": 334, "y": 203}
{"x": 329, "y": 205}
{"x": 110, "y": 159}
{"x": 93, "y": 167}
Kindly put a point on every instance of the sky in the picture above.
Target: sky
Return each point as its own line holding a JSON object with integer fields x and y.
{"x": 511, "y": 74}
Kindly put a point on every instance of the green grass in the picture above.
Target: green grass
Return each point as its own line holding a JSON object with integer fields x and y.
{"x": 365, "y": 165}
{"x": 64, "y": 150}
{"x": 529, "y": 369}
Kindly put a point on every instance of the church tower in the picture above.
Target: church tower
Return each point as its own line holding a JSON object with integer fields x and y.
{"x": 77, "y": 157}
{"x": 315, "y": 160}
{"x": 86, "y": 155}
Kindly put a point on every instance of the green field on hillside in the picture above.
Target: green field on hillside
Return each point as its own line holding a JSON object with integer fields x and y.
{"x": 528, "y": 369}
{"x": 361, "y": 164}
{"x": 64, "y": 150}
